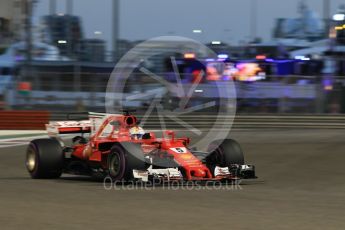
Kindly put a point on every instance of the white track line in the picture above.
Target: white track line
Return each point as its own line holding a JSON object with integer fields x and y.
{"x": 12, "y": 142}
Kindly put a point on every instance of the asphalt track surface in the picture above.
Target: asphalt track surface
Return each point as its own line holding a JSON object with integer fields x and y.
{"x": 301, "y": 186}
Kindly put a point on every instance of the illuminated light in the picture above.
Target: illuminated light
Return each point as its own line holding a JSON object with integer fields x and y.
{"x": 197, "y": 31}
{"x": 260, "y": 57}
{"x": 344, "y": 26}
{"x": 199, "y": 91}
{"x": 279, "y": 61}
{"x": 339, "y": 17}
{"x": 62, "y": 41}
{"x": 338, "y": 28}
{"x": 61, "y": 14}
{"x": 212, "y": 73}
{"x": 301, "y": 57}
{"x": 328, "y": 87}
{"x": 24, "y": 86}
{"x": 210, "y": 59}
{"x": 97, "y": 32}
{"x": 223, "y": 56}
{"x": 216, "y": 42}
{"x": 332, "y": 33}
{"x": 189, "y": 55}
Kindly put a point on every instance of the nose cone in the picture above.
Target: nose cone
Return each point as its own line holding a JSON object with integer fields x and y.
{"x": 199, "y": 173}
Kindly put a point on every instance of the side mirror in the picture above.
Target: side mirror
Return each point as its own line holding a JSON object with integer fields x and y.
{"x": 171, "y": 133}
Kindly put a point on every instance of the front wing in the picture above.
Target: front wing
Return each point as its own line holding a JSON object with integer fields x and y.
{"x": 234, "y": 172}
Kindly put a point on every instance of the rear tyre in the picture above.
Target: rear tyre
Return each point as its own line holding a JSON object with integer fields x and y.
{"x": 44, "y": 159}
{"x": 227, "y": 153}
{"x": 123, "y": 159}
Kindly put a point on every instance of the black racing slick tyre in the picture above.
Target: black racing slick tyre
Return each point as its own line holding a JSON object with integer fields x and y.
{"x": 123, "y": 159}
{"x": 44, "y": 159}
{"x": 227, "y": 153}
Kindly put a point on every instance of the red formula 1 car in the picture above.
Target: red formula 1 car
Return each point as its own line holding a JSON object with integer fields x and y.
{"x": 114, "y": 149}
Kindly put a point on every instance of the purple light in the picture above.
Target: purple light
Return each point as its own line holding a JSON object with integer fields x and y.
{"x": 18, "y": 58}
{"x": 278, "y": 61}
{"x": 327, "y": 84}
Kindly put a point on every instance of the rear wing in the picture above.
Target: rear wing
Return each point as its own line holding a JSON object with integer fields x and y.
{"x": 66, "y": 127}
{"x": 55, "y": 128}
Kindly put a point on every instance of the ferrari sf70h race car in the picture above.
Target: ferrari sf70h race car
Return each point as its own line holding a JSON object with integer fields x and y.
{"x": 117, "y": 147}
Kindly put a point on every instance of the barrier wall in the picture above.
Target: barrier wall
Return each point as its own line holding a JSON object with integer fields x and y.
{"x": 36, "y": 120}
{"x": 24, "y": 120}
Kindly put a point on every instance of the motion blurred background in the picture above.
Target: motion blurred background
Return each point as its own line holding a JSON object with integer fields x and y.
{"x": 286, "y": 58}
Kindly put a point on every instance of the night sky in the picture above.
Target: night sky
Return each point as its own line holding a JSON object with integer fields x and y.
{"x": 226, "y": 20}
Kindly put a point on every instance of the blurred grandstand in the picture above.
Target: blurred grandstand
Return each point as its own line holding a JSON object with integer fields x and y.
{"x": 300, "y": 71}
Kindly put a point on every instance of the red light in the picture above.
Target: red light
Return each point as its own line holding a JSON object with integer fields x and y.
{"x": 24, "y": 86}
{"x": 260, "y": 57}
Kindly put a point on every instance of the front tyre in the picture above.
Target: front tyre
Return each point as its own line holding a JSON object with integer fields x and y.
{"x": 225, "y": 154}
{"x": 44, "y": 159}
{"x": 123, "y": 159}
